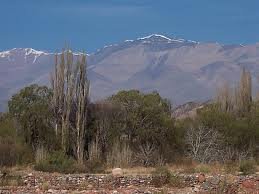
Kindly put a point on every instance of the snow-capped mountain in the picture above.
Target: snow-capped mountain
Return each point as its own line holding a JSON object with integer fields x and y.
{"x": 181, "y": 70}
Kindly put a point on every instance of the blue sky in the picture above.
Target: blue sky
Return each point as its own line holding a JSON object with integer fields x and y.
{"x": 87, "y": 25}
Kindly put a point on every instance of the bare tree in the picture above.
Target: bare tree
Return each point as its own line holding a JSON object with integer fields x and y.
{"x": 146, "y": 154}
{"x": 120, "y": 155}
{"x": 202, "y": 143}
{"x": 82, "y": 93}
{"x": 70, "y": 93}
{"x": 63, "y": 85}
{"x": 230, "y": 153}
{"x": 238, "y": 100}
{"x": 225, "y": 98}
{"x": 94, "y": 150}
{"x": 109, "y": 122}
{"x": 104, "y": 122}
{"x": 244, "y": 93}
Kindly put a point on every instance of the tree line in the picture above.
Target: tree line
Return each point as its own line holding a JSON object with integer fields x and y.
{"x": 53, "y": 125}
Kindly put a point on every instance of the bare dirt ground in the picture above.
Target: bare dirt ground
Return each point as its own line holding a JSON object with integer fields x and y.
{"x": 133, "y": 181}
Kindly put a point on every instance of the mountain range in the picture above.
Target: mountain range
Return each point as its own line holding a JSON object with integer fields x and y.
{"x": 180, "y": 70}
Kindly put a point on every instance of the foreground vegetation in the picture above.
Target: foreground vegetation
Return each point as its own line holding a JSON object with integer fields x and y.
{"x": 59, "y": 129}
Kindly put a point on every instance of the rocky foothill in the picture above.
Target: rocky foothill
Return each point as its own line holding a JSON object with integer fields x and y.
{"x": 39, "y": 182}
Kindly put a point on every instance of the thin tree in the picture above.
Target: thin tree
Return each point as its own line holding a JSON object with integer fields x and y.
{"x": 243, "y": 94}
{"x": 224, "y": 98}
{"x": 82, "y": 93}
{"x": 70, "y": 99}
{"x": 62, "y": 82}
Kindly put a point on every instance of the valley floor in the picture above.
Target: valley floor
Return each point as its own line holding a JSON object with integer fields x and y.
{"x": 29, "y": 181}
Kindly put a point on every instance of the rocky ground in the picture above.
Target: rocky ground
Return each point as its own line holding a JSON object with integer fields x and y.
{"x": 39, "y": 182}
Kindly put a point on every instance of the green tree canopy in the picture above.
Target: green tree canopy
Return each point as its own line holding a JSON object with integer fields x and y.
{"x": 30, "y": 106}
{"x": 148, "y": 119}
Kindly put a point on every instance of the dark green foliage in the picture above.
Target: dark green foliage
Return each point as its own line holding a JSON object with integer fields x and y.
{"x": 13, "y": 150}
{"x": 7, "y": 126}
{"x": 13, "y": 153}
{"x": 106, "y": 121}
{"x": 30, "y": 107}
{"x": 148, "y": 123}
{"x": 238, "y": 133}
{"x": 141, "y": 121}
{"x": 143, "y": 111}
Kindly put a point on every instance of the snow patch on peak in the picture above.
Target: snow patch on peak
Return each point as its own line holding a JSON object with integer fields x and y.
{"x": 129, "y": 41}
{"x": 80, "y": 53}
{"x": 192, "y": 41}
{"x": 22, "y": 52}
{"x": 4, "y": 54}
{"x": 154, "y": 35}
{"x": 106, "y": 46}
{"x": 33, "y": 51}
{"x": 26, "y": 51}
{"x": 30, "y": 51}
{"x": 169, "y": 40}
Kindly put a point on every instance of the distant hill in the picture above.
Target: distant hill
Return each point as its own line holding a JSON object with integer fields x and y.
{"x": 189, "y": 109}
{"x": 178, "y": 69}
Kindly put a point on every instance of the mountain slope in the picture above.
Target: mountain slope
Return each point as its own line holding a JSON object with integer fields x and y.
{"x": 180, "y": 70}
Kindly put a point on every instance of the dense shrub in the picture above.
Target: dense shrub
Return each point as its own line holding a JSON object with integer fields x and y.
{"x": 161, "y": 176}
{"x": 148, "y": 125}
{"x": 8, "y": 154}
{"x": 140, "y": 123}
{"x": 58, "y": 162}
{"x": 94, "y": 166}
{"x": 12, "y": 150}
{"x": 15, "y": 154}
{"x": 30, "y": 108}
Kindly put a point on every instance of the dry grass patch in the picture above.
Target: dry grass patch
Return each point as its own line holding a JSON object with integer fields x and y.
{"x": 11, "y": 180}
{"x": 193, "y": 167}
{"x": 247, "y": 167}
{"x": 183, "y": 168}
{"x": 186, "y": 168}
{"x": 203, "y": 168}
{"x": 230, "y": 167}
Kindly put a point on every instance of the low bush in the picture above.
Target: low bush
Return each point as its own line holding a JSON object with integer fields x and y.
{"x": 95, "y": 166}
{"x": 59, "y": 162}
{"x": 247, "y": 167}
{"x": 8, "y": 179}
{"x": 13, "y": 153}
{"x": 176, "y": 181}
{"x": 163, "y": 176}
{"x": 13, "y": 150}
{"x": 45, "y": 186}
{"x": 223, "y": 187}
